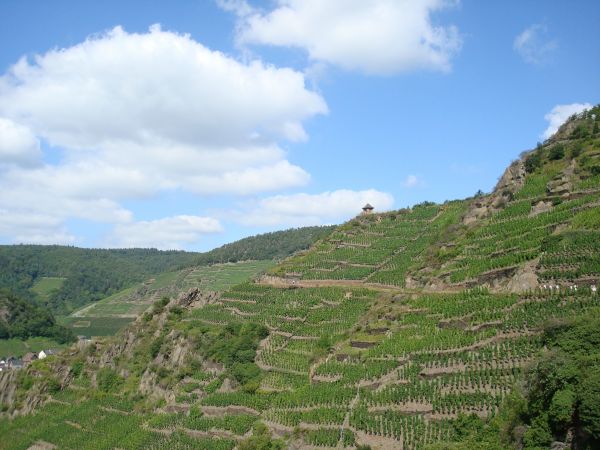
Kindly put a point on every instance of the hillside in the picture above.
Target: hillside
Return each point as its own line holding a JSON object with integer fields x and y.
{"x": 430, "y": 327}
{"x": 66, "y": 278}
{"x": 111, "y": 314}
{"x": 80, "y": 275}
{"x": 267, "y": 246}
{"x": 21, "y": 319}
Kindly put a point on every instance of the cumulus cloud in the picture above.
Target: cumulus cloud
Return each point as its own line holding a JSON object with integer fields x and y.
{"x": 138, "y": 114}
{"x": 168, "y": 233}
{"x": 534, "y": 44}
{"x": 559, "y": 114}
{"x": 312, "y": 209}
{"x": 371, "y": 36}
{"x": 18, "y": 145}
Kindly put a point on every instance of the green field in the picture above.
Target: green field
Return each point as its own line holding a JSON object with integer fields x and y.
{"x": 94, "y": 326}
{"x": 45, "y": 286}
{"x": 221, "y": 277}
{"x": 18, "y": 347}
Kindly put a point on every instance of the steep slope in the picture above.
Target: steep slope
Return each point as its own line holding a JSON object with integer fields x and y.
{"x": 386, "y": 333}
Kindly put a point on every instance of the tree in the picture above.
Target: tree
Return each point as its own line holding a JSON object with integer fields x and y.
{"x": 589, "y": 403}
{"x": 561, "y": 409}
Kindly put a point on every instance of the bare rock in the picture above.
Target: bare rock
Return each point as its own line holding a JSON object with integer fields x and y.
{"x": 540, "y": 207}
{"x": 525, "y": 279}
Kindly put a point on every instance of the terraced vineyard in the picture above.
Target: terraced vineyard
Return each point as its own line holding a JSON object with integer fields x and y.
{"x": 107, "y": 316}
{"x": 375, "y": 248}
{"x": 387, "y": 333}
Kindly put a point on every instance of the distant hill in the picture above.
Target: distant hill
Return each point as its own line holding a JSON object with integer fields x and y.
{"x": 66, "y": 278}
{"x": 89, "y": 274}
{"x": 275, "y": 245}
{"x": 22, "y": 319}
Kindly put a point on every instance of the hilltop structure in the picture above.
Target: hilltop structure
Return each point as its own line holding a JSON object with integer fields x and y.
{"x": 367, "y": 209}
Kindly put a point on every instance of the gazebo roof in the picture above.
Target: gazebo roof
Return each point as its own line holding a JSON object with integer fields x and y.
{"x": 368, "y": 206}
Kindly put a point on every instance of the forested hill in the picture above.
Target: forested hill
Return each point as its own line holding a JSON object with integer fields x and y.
{"x": 21, "y": 319}
{"x": 84, "y": 275}
{"x": 88, "y": 274}
{"x": 276, "y": 245}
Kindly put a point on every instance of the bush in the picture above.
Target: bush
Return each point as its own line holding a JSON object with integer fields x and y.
{"x": 108, "y": 380}
{"x": 538, "y": 435}
{"x": 556, "y": 152}
{"x": 532, "y": 162}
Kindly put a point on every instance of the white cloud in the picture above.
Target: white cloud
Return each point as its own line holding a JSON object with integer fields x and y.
{"x": 312, "y": 209}
{"x": 167, "y": 233}
{"x": 138, "y": 114}
{"x": 559, "y": 114}
{"x": 534, "y": 44}
{"x": 33, "y": 228}
{"x": 370, "y": 36}
{"x": 18, "y": 145}
{"x": 411, "y": 181}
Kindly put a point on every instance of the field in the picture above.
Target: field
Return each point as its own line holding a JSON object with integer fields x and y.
{"x": 45, "y": 286}
{"x": 95, "y": 326}
{"x": 18, "y": 347}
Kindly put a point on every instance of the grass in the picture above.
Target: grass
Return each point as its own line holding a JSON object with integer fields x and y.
{"x": 221, "y": 277}
{"x": 18, "y": 347}
{"x": 95, "y": 326}
{"x": 45, "y": 286}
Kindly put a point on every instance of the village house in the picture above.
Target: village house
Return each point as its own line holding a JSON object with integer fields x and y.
{"x": 45, "y": 353}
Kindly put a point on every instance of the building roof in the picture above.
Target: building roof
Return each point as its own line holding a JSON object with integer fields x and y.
{"x": 368, "y": 206}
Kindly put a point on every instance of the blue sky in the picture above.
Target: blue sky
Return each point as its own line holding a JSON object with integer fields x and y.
{"x": 189, "y": 124}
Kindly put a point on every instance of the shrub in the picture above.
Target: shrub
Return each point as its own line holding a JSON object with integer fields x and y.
{"x": 556, "y": 152}
{"x": 532, "y": 162}
{"x": 108, "y": 380}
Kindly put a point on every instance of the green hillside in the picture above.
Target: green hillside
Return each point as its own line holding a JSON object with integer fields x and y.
{"x": 466, "y": 325}
{"x": 66, "y": 278}
{"x": 272, "y": 246}
{"x": 109, "y": 315}
{"x": 87, "y": 275}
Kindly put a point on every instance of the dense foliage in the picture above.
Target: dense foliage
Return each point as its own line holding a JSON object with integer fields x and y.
{"x": 276, "y": 245}
{"x": 90, "y": 274}
{"x": 235, "y": 346}
{"x": 22, "y": 319}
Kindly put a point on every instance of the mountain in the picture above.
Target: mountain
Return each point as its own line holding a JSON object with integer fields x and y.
{"x": 470, "y": 324}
